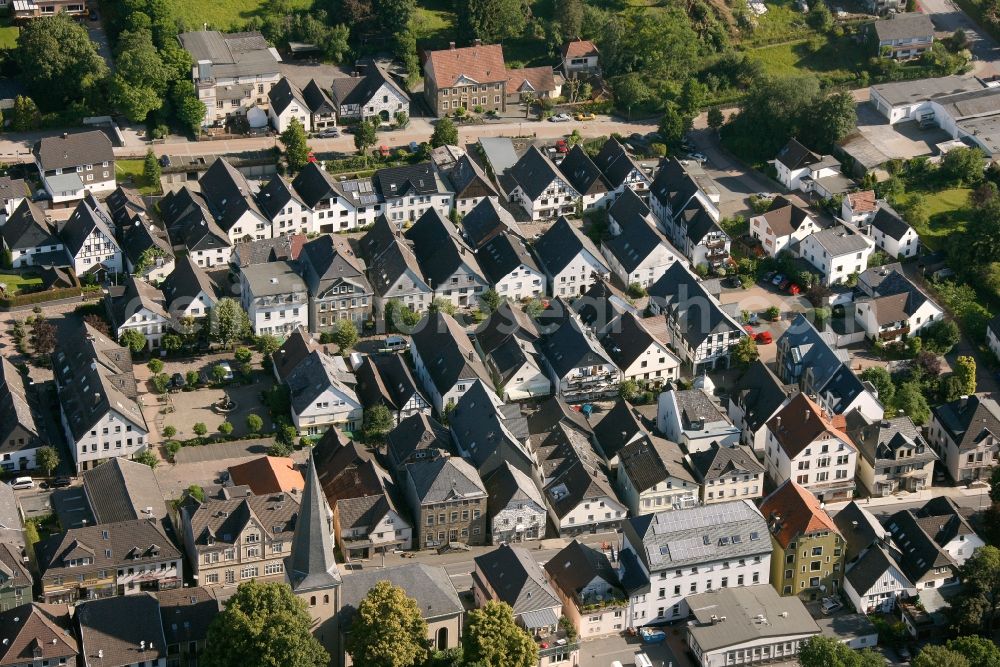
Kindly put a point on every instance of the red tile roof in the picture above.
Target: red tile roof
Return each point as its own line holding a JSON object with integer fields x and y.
{"x": 863, "y": 202}
{"x": 581, "y": 48}
{"x": 801, "y": 423}
{"x": 268, "y": 474}
{"x": 791, "y": 511}
{"x": 539, "y": 80}
{"x": 483, "y": 64}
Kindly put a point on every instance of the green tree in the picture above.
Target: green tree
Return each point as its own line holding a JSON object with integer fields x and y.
{"x": 882, "y": 381}
{"x": 200, "y": 429}
{"x": 228, "y": 322}
{"x": 830, "y": 119}
{"x": 770, "y": 113}
{"x": 160, "y": 383}
{"x": 267, "y": 345}
{"x": 491, "y": 300}
{"x": 26, "y": 116}
{"x": 673, "y": 124}
{"x": 263, "y": 624}
{"x": 169, "y": 431}
{"x": 190, "y": 111}
{"x": 378, "y": 421}
{"x": 445, "y": 133}
{"x": 745, "y": 351}
{"x": 155, "y": 365}
{"x": 493, "y": 20}
{"x": 401, "y": 118}
{"x": 716, "y": 119}
{"x": 911, "y": 400}
{"x": 243, "y": 355}
{"x": 345, "y": 335}
{"x": 47, "y": 458}
{"x": 196, "y": 492}
{"x": 225, "y": 428}
{"x": 219, "y": 373}
{"x": 631, "y": 91}
{"x": 772, "y": 313}
{"x": 388, "y": 629}
{"x": 569, "y": 15}
{"x": 819, "y": 18}
{"x": 963, "y": 166}
{"x": 140, "y": 79}
{"x": 975, "y": 607}
{"x": 821, "y": 651}
{"x": 192, "y": 378}
{"x": 941, "y": 336}
{"x": 965, "y": 370}
{"x": 254, "y": 423}
{"x": 629, "y": 390}
{"x": 365, "y": 137}
{"x": 151, "y": 169}
{"x": 979, "y": 651}
{"x": 171, "y": 342}
{"x": 491, "y": 638}
{"x": 147, "y": 458}
{"x": 296, "y": 148}
{"x": 399, "y": 316}
{"x": 134, "y": 340}
{"x": 692, "y": 97}
{"x": 935, "y": 655}
{"x": 57, "y": 60}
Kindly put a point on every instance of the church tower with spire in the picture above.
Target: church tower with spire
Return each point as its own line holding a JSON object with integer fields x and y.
{"x": 312, "y": 569}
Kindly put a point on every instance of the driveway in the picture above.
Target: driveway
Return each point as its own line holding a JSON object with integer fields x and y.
{"x": 735, "y": 180}
{"x": 100, "y": 38}
{"x": 948, "y": 17}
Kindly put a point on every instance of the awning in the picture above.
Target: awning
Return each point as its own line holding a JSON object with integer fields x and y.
{"x": 539, "y": 618}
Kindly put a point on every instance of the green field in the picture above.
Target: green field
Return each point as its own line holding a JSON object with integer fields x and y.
{"x": 834, "y": 58}
{"x": 14, "y": 282}
{"x": 947, "y": 212}
{"x": 223, "y": 14}
{"x": 129, "y": 172}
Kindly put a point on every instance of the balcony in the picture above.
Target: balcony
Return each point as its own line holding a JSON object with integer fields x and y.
{"x": 893, "y": 334}
{"x": 556, "y": 643}
{"x": 715, "y": 244}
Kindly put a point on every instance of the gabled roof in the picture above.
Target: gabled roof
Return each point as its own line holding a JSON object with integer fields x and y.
{"x": 506, "y": 321}
{"x": 418, "y": 433}
{"x": 503, "y": 254}
{"x": 968, "y": 420}
{"x": 316, "y": 99}
{"x": 439, "y": 248}
{"x": 27, "y": 227}
{"x": 312, "y": 565}
{"x": 698, "y": 222}
{"x": 515, "y": 577}
{"x": 604, "y": 304}
{"x": 228, "y": 194}
{"x": 123, "y": 630}
{"x": 429, "y": 584}
{"x": 107, "y": 545}
{"x": 138, "y": 295}
{"x": 577, "y": 564}
{"x": 283, "y": 93}
{"x": 801, "y": 423}
{"x": 571, "y": 345}
{"x": 139, "y": 235}
{"x": 651, "y": 460}
{"x": 942, "y": 520}
{"x": 630, "y": 340}
{"x": 332, "y": 261}
{"x": 865, "y": 573}
{"x": 485, "y": 221}
{"x": 581, "y": 172}
{"x": 759, "y": 393}
{"x": 579, "y": 48}
{"x": 88, "y": 215}
{"x": 446, "y": 352}
{"x": 189, "y": 221}
{"x": 904, "y": 26}
{"x": 481, "y": 429}
{"x": 276, "y": 195}
{"x": 920, "y": 553}
{"x": 360, "y": 89}
{"x": 36, "y": 631}
{"x": 268, "y": 474}
{"x": 479, "y": 64}
{"x": 507, "y": 484}
{"x": 719, "y": 461}
{"x": 469, "y": 180}
{"x": 533, "y": 172}
{"x": 615, "y": 163}
{"x": 791, "y": 512}
{"x": 673, "y": 186}
{"x": 890, "y": 223}
{"x": 796, "y": 156}
{"x": 386, "y": 380}
{"x": 554, "y": 411}
{"x": 408, "y": 181}
{"x": 879, "y": 440}
{"x": 561, "y": 244}
{"x": 185, "y": 283}
{"x": 538, "y": 80}
{"x": 859, "y": 527}
{"x": 354, "y": 482}
{"x": 317, "y": 373}
{"x": 74, "y": 150}
{"x": 785, "y": 217}
{"x": 698, "y": 313}
{"x": 123, "y": 490}
{"x": 810, "y": 348}
{"x": 188, "y": 612}
{"x": 633, "y": 239}
{"x": 443, "y": 479}
{"x": 620, "y": 426}
{"x": 219, "y": 520}
{"x": 19, "y": 409}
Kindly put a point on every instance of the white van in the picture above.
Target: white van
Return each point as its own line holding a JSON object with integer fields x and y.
{"x": 642, "y": 660}
{"x": 23, "y": 483}
{"x": 616, "y": 663}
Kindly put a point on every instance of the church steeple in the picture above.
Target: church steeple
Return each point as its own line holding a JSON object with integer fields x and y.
{"x": 312, "y": 567}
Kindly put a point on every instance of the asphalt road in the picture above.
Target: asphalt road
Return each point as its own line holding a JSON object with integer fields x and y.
{"x": 948, "y": 17}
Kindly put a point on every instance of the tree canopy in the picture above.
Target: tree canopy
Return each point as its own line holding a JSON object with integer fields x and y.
{"x": 263, "y": 624}
{"x": 388, "y": 629}
{"x": 821, "y": 651}
{"x": 974, "y": 609}
{"x": 58, "y": 61}
{"x": 229, "y": 323}
{"x": 296, "y": 147}
{"x": 141, "y": 77}
{"x": 445, "y": 133}
{"x": 493, "y": 639}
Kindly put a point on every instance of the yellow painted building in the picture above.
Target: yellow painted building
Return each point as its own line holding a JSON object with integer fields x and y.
{"x": 808, "y": 558}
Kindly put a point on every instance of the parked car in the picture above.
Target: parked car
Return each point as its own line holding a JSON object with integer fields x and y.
{"x": 562, "y": 146}
{"x": 777, "y": 279}
{"x": 783, "y": 285}
{"x": 178, "y": 380}
{"x": 23, "y": 483}
{"x": 697, "y": 157}
{"x": 560, "y": 118}
{"x": 794, "y": 289}
{"x": 830, "y": 605}
{"x": 383, "y": 150}
{"x": 329, "y": 133}
{"x": 61, "y": 482}
{"x": 414, "y": 147}
{"x": 764, "y": 338}
{"x": 748, "y": 329}
{"x": 229, "y": 371}
{"x": 585, "y": 116}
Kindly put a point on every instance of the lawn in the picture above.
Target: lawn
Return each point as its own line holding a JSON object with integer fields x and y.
{"x": 14, "y": 282}
{"x": 835, "y": 59}
{"x": 8, "y": 36}
{"x": 129, "y": 172}
{"x": 434, "y": 23}
{"x": 782, "y": 22}
{"x": 223, "y": 14}
{"x": 947, "y": 214}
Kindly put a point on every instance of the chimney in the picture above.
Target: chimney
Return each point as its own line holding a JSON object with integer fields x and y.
{"x": 807, "y": 415}
{"x": 451, "y": 46}
{"x": 477, "y": 42}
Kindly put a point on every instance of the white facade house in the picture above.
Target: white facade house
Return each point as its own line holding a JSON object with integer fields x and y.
{"x": 837, "y": 253}
{"x": 635, "y": 250}
{"x": 580, "y": 57}
{"x": 373, "y": 96}
{"x": 652, "y": 477}
{"x": 539, "y": 187}
{"x": 274, "y": 297}
{"x": 668, "y": 556}
{"x": 640, "y": 352}
{"x": 571, "y": 261}
{"x": 798, "y": 168}
{"x": 510, "y": 268}
{"x": 891, "y": 317}
{"x": 805, "y": 445}
{"x": 286, "y": 102}
{"x": 139, "y": 307}
{"x": 692, "y": 419}
{"x": 445, "y": 361}
{"x": 578, "y": 366}
{"x": 320, "y": 399}
{"x": 893, "y": 234}
{"x": 31, "y": 238}
{"x": 858, "y": 208}
{"x": 782, "y": 225}
{"x": 410, "y": 191}
{"x": 875, "y": 582}
{"x": 966, "y": 435}
{"x": 593, "y": 599}
{"x": 516, "y": 507}
{"x": 73, "y": 164}
{"x": 289, "y": 214}
{"x": 89, "y": 239}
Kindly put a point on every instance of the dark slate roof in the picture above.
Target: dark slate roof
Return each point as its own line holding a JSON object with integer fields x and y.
{"x": 314, "y": 375}
{"x": 879, "y": 440}
{"x": 651, "y": 460}
{"x": 698, "y": 314}
{"x": 74, "y": 149}
{"x": 581, "y": 172}
{"x": 328, "y": 261}
{"x": 534, "y": 172}
{"x": 12, "y": 188}
{"x": 312, "y": 565}
{"x": 35, "y": 631}
{"x": 439, "y": 249}
{"x": 27, "y": 227}
{"x": 859, "y": 528}
{"x": 353, "y": 481}
{"x": 429, "y": 584}
{"x": 447, "y": 352}
{"x": 673, "y": 186}
{"x": 122, "y": 490}
{"x": 969, "y": 420}
{"x": 185, "y": 282}
{"x": 811, "y": 349}
{"x": 503, "y": 323}
{"x": 480, "y": 429}
{"x": 386, "y": 380}
{"x": 890, "y": 223}
{"x": 869, "y": 569}
{"x": 602, "y": 304}
{"x": 553, "y": 411}
{"x": 227, "y": 193}
{"x": 503, "y": 254}
{"x": 283, "y": 93}
{"x": 572, "y": 345}
{"x": 796, "y": 156}
{"x": 19, "y": 409}
{"x": 921, "y": 554}
{"x": 125, "y": 629}
{"x": 223, "y": 518}
{"x": 468, "y": 179}
{"x": 629, "y": 340}
{"x": 189, "y": 222}
{"x": 408, "y": 181}
{"x": 359, "y": 90}
{"x": 88, "y": 215}
{"x": 615, "y": 162}
{"x": 187, "y": 612}
{"x": 718, "y": 461}
{"x": 313, "y": 184}
{"x": 507, "y": 484}
{"x": 316, "y": 99}
{"x": 617, "y": 428}
{"x": 443, "y": 479}
{"x": 141, "y": 235}
{"x": 943, "y": 520}
{"x": 418, "y": 433}
{"x": 698, "y": 222}
{"x": 485, "y": 221}
{"x": 137, "y": 295}
{"x": 759, "y": 393}
{"x": 276, "y": 195}
{"x": 904, "y": 26}
{"x": 560, "y": 244}
{"x": 14, "y": 570}
{"x": 577, "y": 564}
{"x": 516, "y": 578}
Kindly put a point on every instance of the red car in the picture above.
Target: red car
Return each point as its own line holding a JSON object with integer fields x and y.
{"x": 794, "y": 289}
{"x": 748, "y": 329}
{"x": 562, "y": 146}
{"x": 764, "y": 338}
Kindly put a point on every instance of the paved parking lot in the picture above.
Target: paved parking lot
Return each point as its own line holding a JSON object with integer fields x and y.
{"x": 758, "y": 299}
{"x": 203, "y": 465}
{"x": 603, "y": 651}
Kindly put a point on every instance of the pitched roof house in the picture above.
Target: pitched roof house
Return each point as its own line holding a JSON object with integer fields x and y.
{"x": 455, "y": 77}
{"x": 570, "y": 260}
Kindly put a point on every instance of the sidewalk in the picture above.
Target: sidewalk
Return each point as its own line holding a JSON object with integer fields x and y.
{"x": 956, "y": 492}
